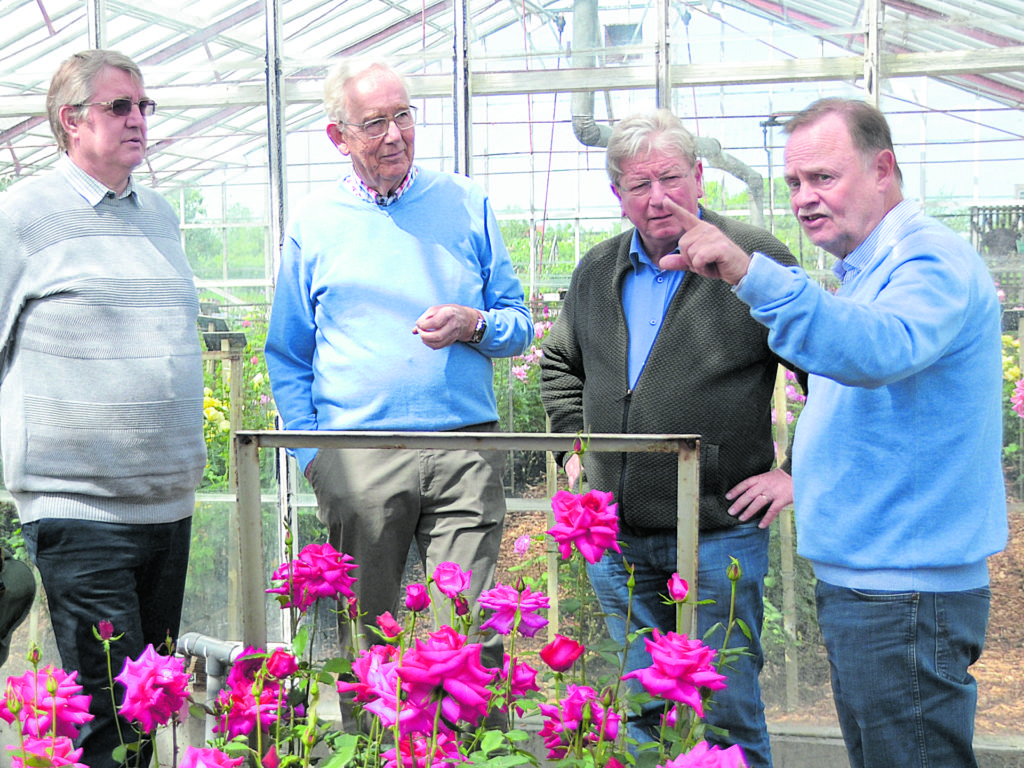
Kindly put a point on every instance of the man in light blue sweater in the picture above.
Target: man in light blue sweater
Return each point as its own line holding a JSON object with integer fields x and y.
{"x": 394, "y": 294}
{"x": 897, "y": 479}
{"x": 101, "y": 384}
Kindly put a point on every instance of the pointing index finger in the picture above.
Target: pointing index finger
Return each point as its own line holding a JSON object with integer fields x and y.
{"x": 688, "y": 219}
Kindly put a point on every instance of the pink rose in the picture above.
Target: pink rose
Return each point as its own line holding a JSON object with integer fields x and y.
{"x": 271, "y": 759}
{"x": 510, "y": 605}
{"x": 451, "y": 579}
{"x": 417, "y": 598}
{"x": 561, "y": 653}
{"x": 207, "y": 757}
{"x": 681, "y": 667}
{"x": 387, "y": 624}
{"x": 57, "y": 752}
{"x": 704, "y": 756}
{"x": 589, "y": 521}
{"x": 319, "y": 571}
{"x": 522, "y": 545}
{"x": 281, "y": 664}
{"x": 678, "y": 589}
{"x": 49, "y": 698}
{"x": 156, "y": 688}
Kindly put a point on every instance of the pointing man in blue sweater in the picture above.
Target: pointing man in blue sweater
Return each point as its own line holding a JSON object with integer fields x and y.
{"x": 394, "y": 294}
{"x": 896, "y": 467}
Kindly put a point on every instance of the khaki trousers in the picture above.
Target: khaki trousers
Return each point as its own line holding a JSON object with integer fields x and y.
{"x": 377, "y": 502}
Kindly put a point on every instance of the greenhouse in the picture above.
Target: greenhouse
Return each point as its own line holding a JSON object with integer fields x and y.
{"x": 522, "y": 97}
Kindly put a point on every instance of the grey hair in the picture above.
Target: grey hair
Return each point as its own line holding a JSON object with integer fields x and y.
{"x": 643, "y": 133}
{"x": 869, "y": 130}
{"x": 74, "y": 83}
{"x": 342, "y": 74}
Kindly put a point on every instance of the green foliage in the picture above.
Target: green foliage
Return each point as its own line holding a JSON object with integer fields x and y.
{"x": 1013, "y": 421}
{"x": 802, "y": 644}
{"x": 517, "y": 390}
{"x": 220, "y": 251}
{"x": 555, "y": 244}
{"x": 258, "y": 411}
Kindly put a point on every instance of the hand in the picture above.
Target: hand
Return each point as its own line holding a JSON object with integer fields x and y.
{"x": 772, "y": 491}
{"x": 445, "y": 324}
{"x": 573, "y": 469}
{"x": 705, "y": 249}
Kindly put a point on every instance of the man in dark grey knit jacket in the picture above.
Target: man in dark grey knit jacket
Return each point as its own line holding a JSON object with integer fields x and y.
{"x": 637, "y": 349}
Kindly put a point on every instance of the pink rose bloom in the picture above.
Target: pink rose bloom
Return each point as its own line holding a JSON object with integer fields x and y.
{"x": 156, "y": 687}
{"x": 387, "y": 624}
{"x": 55, "y": 752}
{"x": 561, "y": 653}
{"x": 282, "y": 664}
{"x": 447, "y": 666}
{"x": 681, "y": 667}
{"x": 521, "y": 679}
{"x": 580, "y": 707}
{"x": 678, "y": 589}
{"x": 241, "y": 712}
{"x": 245, "y": 668}
{"x": 704, "y": 756}
{"x": 48, "y": 700}
{"x": 271, "y": 759}
{"x": 451, "y": 579}
{"x": 206, "y": 757}
{"x": 417, "y": 597}
{"x": 319, "y": 571}
{"x": 1017, "y": 398}
{"x": 510, "y": 604}
{"x": 106, "y": 630}
{"x": 394, "y": 705}
{"x": 522, "y": 545}
{"x": 414, "y": 752}
{"x": 366, "y": 669}
{"x": 588, "y": 521}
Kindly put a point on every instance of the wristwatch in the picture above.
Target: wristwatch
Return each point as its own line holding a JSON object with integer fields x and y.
{"x": 478, "y": 332}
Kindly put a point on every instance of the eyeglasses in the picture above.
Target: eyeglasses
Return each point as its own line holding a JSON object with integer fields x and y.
{"x": 642, "y": 187}
{"x": 123, "y": 107}
{"x": 404, "y": 120}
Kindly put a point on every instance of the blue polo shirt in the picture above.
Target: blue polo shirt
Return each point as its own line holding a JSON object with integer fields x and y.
{"x": 646, "y": 294}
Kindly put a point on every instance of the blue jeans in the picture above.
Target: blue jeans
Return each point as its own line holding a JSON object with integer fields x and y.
{"x": 737, "y": 708}
{"x": 900, "y": 679}
{"x": 132, "y": 575}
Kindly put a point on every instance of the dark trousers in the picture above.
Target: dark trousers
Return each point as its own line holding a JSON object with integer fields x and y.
{"x": 130, "y": 575}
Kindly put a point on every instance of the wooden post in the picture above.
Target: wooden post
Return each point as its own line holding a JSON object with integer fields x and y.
{"x": 786, "y": 547}
{"x": 249, "y": 535}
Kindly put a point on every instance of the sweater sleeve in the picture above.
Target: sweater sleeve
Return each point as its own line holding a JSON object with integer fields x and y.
{"x": 509, "y": 324}
{"x": 909, "y": 311}
{"x": 291, "y": 343}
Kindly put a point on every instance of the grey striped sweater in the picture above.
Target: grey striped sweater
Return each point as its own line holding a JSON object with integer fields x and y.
{"x": 101, "y": 387}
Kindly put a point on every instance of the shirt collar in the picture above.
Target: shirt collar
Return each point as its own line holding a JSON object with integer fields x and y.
{"x": 92, "y": 190}
{"x": 358, "y": 187}
{"x": 886, "y": 231}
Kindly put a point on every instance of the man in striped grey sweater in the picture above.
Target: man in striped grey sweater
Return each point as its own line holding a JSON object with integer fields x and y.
{"x": 101, "y": 386}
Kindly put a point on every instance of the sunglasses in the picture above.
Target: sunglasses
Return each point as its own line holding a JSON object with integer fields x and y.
{"x": 123, "y": 107}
